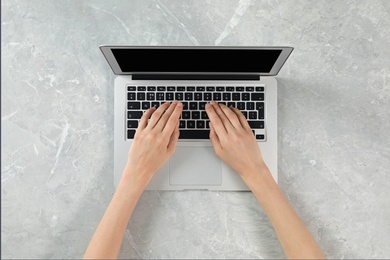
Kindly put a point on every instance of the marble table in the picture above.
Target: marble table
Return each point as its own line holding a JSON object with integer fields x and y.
{"x": 57, "y": 127}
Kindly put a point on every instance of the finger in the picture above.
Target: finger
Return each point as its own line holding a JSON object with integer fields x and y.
{"x": 242, "y": 118}
{"x": 145, "y": 117}
{"x": 173, "y": 140}
{"x": 231, "y": 116}
{"x": 215, "y": 140}
{"x": 226, "y": 123}
{"x": 216, "y": 121}
{"x": 164, "y": 118}
{"x": 157, "y": 115}
{"x": 173, "y": 120}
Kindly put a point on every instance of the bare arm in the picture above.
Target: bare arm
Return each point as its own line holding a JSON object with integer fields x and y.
{"x": 296, "y": 240}
{"x": 235, "y": 144}
{"x": 153, "y": 144}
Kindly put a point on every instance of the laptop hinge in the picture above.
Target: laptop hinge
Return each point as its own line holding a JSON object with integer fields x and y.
{"x": 194, "y": 77}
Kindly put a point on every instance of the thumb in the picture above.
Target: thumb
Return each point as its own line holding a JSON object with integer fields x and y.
{"x": 173, "y": 141}
{"x": 215, "y": 140}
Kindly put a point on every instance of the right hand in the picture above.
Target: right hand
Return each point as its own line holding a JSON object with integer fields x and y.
{"x": 234, "y": 141}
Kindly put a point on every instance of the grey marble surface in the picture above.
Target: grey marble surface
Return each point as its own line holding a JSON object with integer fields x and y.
{"x": 57, "y": 127}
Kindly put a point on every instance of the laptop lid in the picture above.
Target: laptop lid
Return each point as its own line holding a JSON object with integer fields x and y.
{"x": 195, "y": 60}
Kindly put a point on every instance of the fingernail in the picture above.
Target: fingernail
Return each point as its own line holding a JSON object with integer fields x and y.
{"x": 174, "y": 102}
{"x": 179, "y": 104}
{"x": 212, "y": 102}
{"x": 208, "y": 105}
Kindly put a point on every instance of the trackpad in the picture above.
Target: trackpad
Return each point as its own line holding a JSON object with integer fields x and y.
{"x": 195, "y": 166}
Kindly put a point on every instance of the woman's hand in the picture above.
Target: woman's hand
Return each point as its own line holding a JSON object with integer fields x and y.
{"x": 154, "y": 141}
{"x": 233, "y": 140}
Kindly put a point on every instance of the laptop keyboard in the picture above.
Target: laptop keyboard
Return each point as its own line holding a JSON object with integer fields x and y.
{"x": 194, "y": 122}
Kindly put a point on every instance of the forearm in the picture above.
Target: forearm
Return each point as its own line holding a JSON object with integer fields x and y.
{"x": 296, "y": 240}
{"x": 107, "y": 239}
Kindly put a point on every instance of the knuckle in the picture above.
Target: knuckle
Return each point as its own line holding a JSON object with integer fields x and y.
{"x": 218, "y": 152}
{"x": 235, "y": 137}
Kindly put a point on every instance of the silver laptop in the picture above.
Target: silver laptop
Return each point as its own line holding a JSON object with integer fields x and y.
{"x": 239, "y": 76}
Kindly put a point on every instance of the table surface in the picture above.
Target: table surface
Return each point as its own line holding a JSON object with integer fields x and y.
{"x": 57, "y": 127}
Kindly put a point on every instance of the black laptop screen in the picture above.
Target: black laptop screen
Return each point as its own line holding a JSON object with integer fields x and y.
{"x": 196, "y": 60}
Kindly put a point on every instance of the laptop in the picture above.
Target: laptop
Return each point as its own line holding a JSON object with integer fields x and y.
{"x": 239, "y": 76}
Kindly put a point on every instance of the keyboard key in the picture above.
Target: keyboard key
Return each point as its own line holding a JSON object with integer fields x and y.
{"x": 191, "y": 124}
{"x": 207, "y": 96}
{"x": 130, "y": 134}
{"x": 250, "y": 105}
{"x": 245, "y": 96}
{"x": 259, "y": 88}
{"x": 240, "y": 105}
{"x": 257, "y": 96}
{"x": 259, "y": 105}
{"x": 202, "y": 105}
{"x": 220, "y": 88}
{"x": 185, "y": 115}
{"x": 169, "y": 96}
{"x": 185, "y": 105}
{"x": 197, "y": 96}
{"x": 260, "y": 137}
{"x": 227, "y": 96}
{"x": 245, "y": 113}
{"x": 182, "y": 124}
{"x": 252, "y": 115}
{"x": 261, "y": 114}
{"x": 161, "y": 88}
{"x": 233, "y": 104}
{"x": 141, "y": 96}
{"x": 131, "y": 88}
{"x": 200, "y": 89}
{"x": 141, "y": 88}
{"x": 256, "y": 124}
{"x": 229, "y": 88}
{"x": 210, "y": 88}
{"x": 249, "y": 89}
{"x": 155, "y": 104}
{"x": 133, "y": 105}
{"x": 204, "y": 115}
{"x": 151, "y": 96}
{"x": 217, "y": 96}
{"x": 132, "y": 123}
{"x": 181, "y": 88}
{"x": 240, "y": 89}
{"x": 151, "y": 88}
{"x": 207, "y": 124}
{"x": 200, "y": 124}
{"x": 195, "y": 115}
{"x": 236, "y": 96}
{"x": 131, "y": 96}
{"x": 145, "y": 105}
{"x": 171, "y": 88}
{"x": 160, "y": 96}
{"x": 188, "y": 96}
{"x": 190, "y": 88}
{"x": 179, "y": 96}
{"x": 193, "y": 106}
{"x": 194, "y": 134}
{"x": 134, "y": 114}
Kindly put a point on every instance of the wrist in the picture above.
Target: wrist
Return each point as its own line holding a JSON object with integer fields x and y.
{"x": 256, "y": 175}
{"x": 136, "y": 180}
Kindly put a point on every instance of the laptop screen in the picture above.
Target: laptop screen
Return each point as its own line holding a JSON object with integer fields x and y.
{"x": 216, "y": 60}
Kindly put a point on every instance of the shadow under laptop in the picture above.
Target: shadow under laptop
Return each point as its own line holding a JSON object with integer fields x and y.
{"x": 199, "y": 224}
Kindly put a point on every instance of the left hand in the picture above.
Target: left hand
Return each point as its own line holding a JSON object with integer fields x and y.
{"x": 154, "y": 141}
